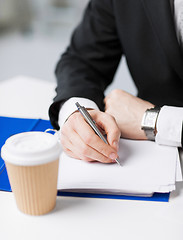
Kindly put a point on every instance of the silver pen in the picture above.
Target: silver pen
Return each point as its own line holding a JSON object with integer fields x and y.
{"x": 92, "y": 123}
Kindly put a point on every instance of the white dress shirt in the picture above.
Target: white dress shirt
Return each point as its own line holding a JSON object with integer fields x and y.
{"x": 170, "y": 119}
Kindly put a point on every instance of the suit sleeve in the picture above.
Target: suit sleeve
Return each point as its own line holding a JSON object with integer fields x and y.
{"x": 90, "y": 62}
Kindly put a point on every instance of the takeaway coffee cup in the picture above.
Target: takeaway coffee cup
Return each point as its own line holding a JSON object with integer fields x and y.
{"x": 32, "y": 164}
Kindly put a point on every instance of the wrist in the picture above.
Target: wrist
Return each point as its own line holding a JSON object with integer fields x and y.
{"x": 68, "y": 108}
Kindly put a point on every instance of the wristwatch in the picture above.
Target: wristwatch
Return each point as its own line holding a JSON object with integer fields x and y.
{"x": 149, "y": 122}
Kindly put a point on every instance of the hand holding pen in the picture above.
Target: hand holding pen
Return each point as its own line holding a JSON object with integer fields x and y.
{"x": 80, "y": 141}
{"x": 92, "y": 124}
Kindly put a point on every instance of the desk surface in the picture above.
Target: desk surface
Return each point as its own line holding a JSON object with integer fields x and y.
{"x": 80, "y": 218}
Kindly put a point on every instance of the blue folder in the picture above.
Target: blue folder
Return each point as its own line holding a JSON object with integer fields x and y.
{"x": 10, "y": 126}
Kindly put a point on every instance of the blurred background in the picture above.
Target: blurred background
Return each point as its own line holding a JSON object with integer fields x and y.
{"x": 34, "y": 33}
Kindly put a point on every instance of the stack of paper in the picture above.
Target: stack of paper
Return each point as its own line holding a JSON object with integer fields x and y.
{"x": 146, "y": 168}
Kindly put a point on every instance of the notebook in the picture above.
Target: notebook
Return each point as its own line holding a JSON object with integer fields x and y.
{"x": 70, "y": 185}
{"x": 146, "y": 168}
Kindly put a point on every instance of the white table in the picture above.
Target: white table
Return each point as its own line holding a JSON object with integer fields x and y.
{"x": 80, "y": 218}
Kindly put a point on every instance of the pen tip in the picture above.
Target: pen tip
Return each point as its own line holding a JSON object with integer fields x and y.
{"x": 118, "y": 162}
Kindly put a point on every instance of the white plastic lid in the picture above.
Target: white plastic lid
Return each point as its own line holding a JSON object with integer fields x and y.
{"x": 31, "y": 148}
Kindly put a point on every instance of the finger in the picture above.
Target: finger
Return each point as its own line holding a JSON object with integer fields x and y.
{"x": 84, "y": 151}
{"x": 108, "y": 123}
{"x": 70, "y": 153}
{"x": 76, "y": 145}
{"x": 67, "y": 146}
{"x": 91, "y": 139}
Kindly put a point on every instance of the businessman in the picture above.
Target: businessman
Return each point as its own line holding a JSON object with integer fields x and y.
{"x": 149, "y": 33}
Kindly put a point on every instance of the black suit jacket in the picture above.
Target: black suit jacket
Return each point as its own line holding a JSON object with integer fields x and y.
{"x": 143, "y": 31}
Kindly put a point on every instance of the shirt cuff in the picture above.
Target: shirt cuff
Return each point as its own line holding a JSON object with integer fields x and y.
{"x": 69, "y": 107}
{"x": 169, "y": 126}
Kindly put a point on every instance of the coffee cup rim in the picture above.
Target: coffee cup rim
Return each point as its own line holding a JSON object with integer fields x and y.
{"x": 31, "y": 148}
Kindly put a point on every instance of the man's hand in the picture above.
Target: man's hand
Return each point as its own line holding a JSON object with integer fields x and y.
{"x": 80, "y": 141}
{"x": 128, "y": 111}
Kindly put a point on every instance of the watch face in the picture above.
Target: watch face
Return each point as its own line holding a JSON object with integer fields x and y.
{"x": 150, "y": 120}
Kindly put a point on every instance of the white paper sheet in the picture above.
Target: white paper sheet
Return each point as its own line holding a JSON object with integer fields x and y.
{"x": 146, "y": 168}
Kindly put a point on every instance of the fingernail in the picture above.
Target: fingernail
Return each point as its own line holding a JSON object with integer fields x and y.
{"x": 112, "y": 156}
{"x": 113, "y": 161}
{"x": 116, "y": 145}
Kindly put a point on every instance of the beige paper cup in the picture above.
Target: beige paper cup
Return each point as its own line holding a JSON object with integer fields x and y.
{"x": 32, "y": 160}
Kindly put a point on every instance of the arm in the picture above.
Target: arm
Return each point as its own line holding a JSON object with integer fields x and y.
{"x": 85, "y": 70}
{"x": 128, "y": 111}
{"x": 89, "y": 63}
